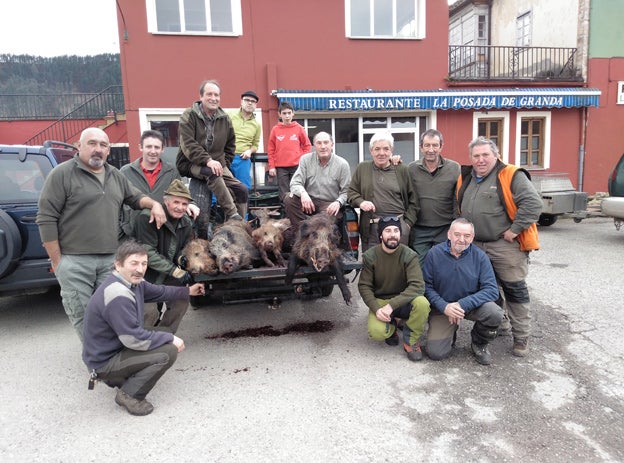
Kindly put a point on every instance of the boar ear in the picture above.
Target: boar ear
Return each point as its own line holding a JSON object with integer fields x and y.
{"x": 283, "y": 224}
{"x": 304, "y": 228}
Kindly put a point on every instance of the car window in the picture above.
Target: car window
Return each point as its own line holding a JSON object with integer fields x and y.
{"x": 22, "y": 181}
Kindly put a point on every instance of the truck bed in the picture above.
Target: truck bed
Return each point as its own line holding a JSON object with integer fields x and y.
{"x": 266, "y": 284}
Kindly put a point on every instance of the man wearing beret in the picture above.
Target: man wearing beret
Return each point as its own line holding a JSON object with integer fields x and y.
{"x": 391, "y": 285}
{"x": 247, "y": 131}
{"x": 163, "y": 247}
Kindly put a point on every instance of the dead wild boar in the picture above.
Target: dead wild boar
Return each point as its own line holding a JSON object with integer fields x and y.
{"x": 196, "y": 259}
{"x": 269, "y": 238}
{"x": 318, "y": 245}
{"x": 233, "y": 246}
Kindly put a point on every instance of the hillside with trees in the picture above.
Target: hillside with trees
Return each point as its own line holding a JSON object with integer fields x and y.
{"x": 27, "y": 74}
{"x": 36, "y": 87}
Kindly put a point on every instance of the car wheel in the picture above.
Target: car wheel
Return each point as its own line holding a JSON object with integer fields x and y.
{"x": 546, "y": 220}
{"x": 10, "y": 244}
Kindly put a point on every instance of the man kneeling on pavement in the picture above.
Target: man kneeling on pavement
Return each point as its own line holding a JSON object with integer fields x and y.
{"x": 117, "y": 349}
{"x": 392, "y": 287}
{"x": 460, "y": 283}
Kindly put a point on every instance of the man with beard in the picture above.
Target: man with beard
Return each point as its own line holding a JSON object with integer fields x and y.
{"x": 392, "y": 287}
{"x": 460, "y": 283}
{"x": 78, "y": 220}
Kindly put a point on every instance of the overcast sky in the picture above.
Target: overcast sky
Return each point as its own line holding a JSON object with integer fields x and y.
{"x": 58, "y": 27}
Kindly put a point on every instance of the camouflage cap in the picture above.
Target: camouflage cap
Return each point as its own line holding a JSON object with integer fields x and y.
{"x": 177, "y": 188}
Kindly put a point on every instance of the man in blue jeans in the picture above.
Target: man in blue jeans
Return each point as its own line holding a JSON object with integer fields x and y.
{"x": 247, "y": 131}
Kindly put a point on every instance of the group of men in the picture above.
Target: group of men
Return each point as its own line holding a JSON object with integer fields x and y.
{"x": 420, "y": 265}
{"x": 417, "y": 226}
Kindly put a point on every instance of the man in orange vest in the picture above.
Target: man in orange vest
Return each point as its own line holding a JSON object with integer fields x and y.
{"x": 503, "y": 205}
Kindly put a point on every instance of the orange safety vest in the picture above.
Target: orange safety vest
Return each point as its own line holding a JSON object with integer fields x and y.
{"x": 528, "y": 238}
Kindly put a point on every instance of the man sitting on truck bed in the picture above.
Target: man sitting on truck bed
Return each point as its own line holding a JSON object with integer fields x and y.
{"x": 319, "y": 184}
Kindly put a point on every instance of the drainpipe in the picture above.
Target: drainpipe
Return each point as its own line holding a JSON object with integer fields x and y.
{"x": 581, "y": 160}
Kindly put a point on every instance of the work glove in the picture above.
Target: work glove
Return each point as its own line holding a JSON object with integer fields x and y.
{"x": 182, "y": 261}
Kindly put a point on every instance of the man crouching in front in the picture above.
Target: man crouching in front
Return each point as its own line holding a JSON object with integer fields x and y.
{"x": 117, "y": 348}
{"x": 392, "y": 286}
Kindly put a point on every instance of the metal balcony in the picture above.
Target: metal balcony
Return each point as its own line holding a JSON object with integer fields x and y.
{"x": 499, "y": 63}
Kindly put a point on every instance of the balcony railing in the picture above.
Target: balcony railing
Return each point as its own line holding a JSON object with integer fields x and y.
{"x": 40, "y": 107}
{"x": 91, "y": 112}
{"x": 488, "y": 62}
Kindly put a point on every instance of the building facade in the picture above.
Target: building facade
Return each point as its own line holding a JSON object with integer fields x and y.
{"x": 353, "y": 67}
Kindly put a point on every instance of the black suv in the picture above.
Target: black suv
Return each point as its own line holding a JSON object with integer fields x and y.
{"x": 24, "y": 264}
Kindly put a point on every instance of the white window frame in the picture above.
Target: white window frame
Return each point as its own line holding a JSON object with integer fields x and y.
{"x": 419, "y": 23}
{"x": 146, "y": 115}
{"x": 547, "y": 116}
{"x": 237, "y": 21}
{"x": 431, "y": 117}
{"x": 504, "y": 115}
{"x": 524, "y": 29}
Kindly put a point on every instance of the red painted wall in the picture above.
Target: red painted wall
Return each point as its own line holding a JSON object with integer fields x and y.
{"x": 17, "y": 132}
{"x": 290, "y": 45}
{"x": 605, "y": 125}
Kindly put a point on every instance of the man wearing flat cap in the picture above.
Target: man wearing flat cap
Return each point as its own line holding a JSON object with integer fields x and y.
{"x": 163, "y": 247}
{"x": 247, "y": 131}
{"x": 391, "y": 285}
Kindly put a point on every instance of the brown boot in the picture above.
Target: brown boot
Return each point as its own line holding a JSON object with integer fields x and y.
{"x": 520, "y": 347}
{"x": 134, "y": 406}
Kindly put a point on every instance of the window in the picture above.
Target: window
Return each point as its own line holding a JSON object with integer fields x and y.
{"x": 492, "y": 129}
{"x": 385, "y": 19}
{"x": 352, "y": 135}
{"x": 194, "y": 17}
{"x": 523, "y": 30}
{"x": 494, "y": 125}
{"x": 532, "y": 142}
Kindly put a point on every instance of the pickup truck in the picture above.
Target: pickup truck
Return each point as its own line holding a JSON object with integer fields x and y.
{"x": 24, "y": 264}
{"x": 613, "y": 206}
{"x": 267, "y": 284}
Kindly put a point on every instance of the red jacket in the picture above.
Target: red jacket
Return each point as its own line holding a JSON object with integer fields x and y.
{"x": 287, "y": 143}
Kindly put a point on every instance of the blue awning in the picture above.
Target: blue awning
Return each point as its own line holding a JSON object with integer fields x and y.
{"x": 415, "y": 100}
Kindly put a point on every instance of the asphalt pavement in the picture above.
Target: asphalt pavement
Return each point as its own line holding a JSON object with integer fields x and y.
{"x": 303, "y": 383}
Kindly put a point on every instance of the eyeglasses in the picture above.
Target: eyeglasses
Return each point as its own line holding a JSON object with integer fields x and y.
{"x": 247, "y": 100}
{"x": 392, "y": 218}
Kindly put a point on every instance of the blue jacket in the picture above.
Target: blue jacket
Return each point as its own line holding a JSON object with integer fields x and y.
{"x": 468, "y": 279}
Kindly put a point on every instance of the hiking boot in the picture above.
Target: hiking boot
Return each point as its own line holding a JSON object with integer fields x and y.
{"x": 236, "y": 216}
{"x": 134, "y": 406}
{"x": 481, "y": 353}
{"x": 505, "y": 327}
{"x": 393, "y": 340}
{"x": 413, "y": 352}
{"x": 520, "y": 347}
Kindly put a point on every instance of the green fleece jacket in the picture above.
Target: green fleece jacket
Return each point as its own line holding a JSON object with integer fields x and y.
{"x": 80, "y": 212}
{"x": 390, "y": 276}
{"x": 163, "y": 244}
{"x": 362, "y": 188}
{"x": 134, "y": 173}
